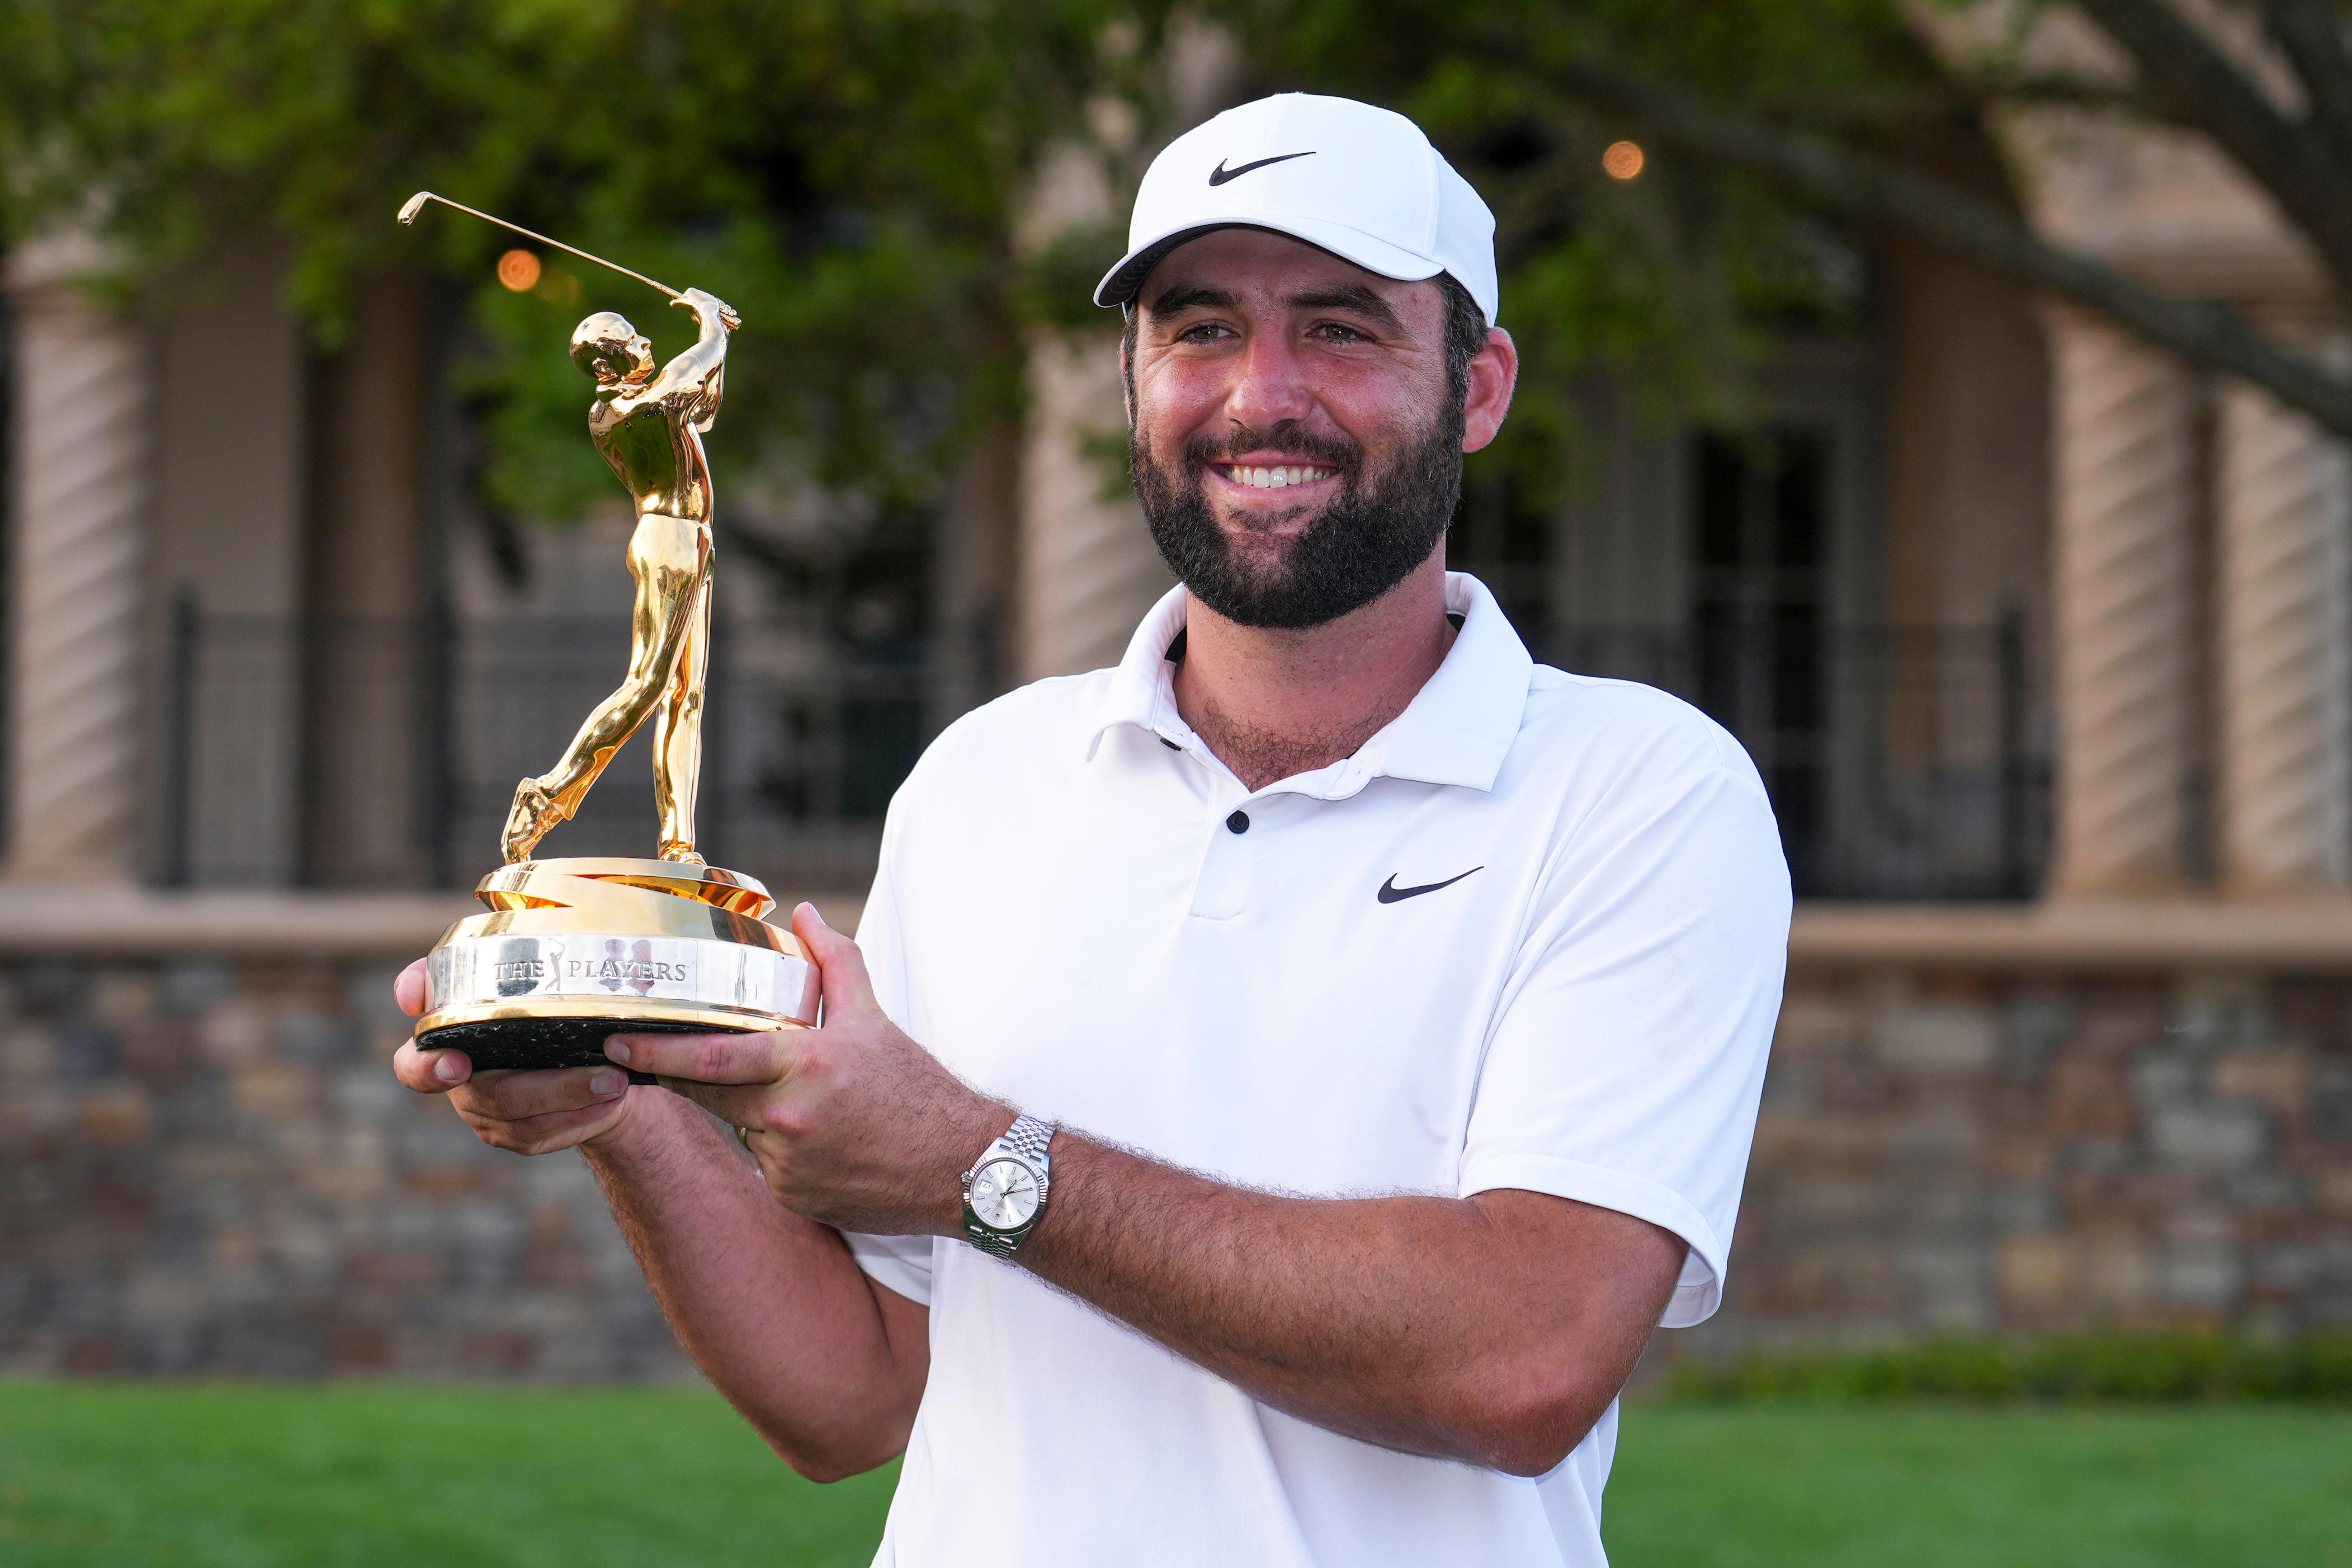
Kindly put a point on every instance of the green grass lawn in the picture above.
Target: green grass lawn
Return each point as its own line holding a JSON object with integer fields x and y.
{"x": 359, "y": 1476}
{"x": 161, "y": 1476}
{"x": 1941, "y": 1486}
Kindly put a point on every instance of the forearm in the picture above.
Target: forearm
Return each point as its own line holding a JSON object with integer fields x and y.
{"x": 772, "y": 1307}
{"x": 693, "y": 369}
{"x": 1434, "y": 1325}
{"x": 1494, "y": 1329}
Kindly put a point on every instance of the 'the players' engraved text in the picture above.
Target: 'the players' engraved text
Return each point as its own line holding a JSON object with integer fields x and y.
{"x": 623, "y": 971}
{"x": 607, "y": 971}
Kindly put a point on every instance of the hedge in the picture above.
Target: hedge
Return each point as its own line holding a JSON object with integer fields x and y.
{"x": 2152, "y": 1368}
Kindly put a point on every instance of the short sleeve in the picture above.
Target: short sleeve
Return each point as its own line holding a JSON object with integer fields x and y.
{"x": 1627, "y": 1056}
{"x": 903, "y": 1263}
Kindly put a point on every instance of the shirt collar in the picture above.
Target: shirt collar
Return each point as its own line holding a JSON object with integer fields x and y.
{"x": 1456, "y": 731}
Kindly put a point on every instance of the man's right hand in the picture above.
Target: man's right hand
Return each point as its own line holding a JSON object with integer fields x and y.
{"x": 530, "y": 1112}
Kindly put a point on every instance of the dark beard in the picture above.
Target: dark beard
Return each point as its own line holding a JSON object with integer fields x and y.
{"x": 1364, "y": 543}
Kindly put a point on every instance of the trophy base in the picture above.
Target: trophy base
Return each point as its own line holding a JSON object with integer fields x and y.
{"x": 575, "y": 951}
{"x": 495, "y": 1044}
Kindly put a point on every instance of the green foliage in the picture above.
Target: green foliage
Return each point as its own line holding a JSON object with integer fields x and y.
{"x": 1675, "y": 280}
{"x": 843, "y": 171}
{"x": 847, "y": 173}
{"x": 2138, "y": 1368}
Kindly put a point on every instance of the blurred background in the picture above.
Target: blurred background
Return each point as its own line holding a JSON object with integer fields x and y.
{"x": 1950, "y": 398}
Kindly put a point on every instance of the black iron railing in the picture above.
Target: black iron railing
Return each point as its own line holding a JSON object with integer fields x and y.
{"x": 385, "y": 752}
{"x": 1902, "y": 764}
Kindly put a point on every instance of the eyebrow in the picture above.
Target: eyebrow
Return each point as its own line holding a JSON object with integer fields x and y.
{"x": 1188, "y": 297}
{"x": 1353, "y": 297}
{"x": 1350, "y": 297}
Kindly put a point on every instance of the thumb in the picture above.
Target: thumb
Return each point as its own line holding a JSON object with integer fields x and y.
{"x": 841, "y": 967}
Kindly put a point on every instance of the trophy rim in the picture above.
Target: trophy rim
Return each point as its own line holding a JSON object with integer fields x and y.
{"x": 630, "y": 865}
{"x": 704, "y": 884}
{"x": 642, "y": 1009}
{"x": 692, "y": 921}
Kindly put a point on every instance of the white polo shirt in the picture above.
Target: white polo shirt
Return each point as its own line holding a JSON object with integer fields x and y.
{"x": 1530, "y": 935}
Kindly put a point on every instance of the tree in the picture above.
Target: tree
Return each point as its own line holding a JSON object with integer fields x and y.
{"x": 851, "y": 173}
{"x": 1824, "y": 100}
{"x": 845, "y": 172}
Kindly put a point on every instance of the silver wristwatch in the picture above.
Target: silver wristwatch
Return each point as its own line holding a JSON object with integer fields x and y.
{"x": 1005, "y": 1191}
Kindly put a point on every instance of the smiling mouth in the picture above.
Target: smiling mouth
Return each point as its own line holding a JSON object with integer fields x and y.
{"x": 1274, "y": 479}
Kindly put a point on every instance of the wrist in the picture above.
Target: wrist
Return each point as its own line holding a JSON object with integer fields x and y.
{"x": 1007, "y": 1189}
{"x": 640, "y": 1124}
{"x": 976, "y": 1125}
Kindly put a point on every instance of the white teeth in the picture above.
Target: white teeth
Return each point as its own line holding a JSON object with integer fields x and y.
{"x": 1276, "y": 478}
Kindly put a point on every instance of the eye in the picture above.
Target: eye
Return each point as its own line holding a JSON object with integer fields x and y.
{"x": 1339, "y": 332}
{"x": 1202, "y": 333}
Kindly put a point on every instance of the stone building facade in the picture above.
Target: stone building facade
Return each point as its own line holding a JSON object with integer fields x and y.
{"x": 2099, "y": 1074}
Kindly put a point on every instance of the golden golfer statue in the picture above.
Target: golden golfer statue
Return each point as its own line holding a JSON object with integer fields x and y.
{"x": 574, "y": 950}
{"x": 649, "y": 427}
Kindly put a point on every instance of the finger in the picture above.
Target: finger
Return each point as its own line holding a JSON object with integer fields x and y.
{"x": 518, "y": 1095}
{"x": 430, "y": 1072}
{"x": 409, "y": 989}
{"x": 544, "y": 1135}
{"x": 736, "y": 1105}
{"x": 840, "y": 966}
{"x": 758, "y": 1056}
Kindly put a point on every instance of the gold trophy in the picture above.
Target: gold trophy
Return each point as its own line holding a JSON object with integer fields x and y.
{"x": 573, "y": 951}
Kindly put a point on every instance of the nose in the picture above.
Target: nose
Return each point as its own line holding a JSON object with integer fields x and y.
{"x": 1269, "y": 384}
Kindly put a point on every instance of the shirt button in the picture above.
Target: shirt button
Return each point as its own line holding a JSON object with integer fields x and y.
{"x": 1238, "y": 822}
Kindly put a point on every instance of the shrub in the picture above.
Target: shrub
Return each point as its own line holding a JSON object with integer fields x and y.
{"x": 2148, "y": 1368}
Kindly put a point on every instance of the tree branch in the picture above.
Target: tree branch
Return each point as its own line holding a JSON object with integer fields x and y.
{"x": 1970, "y": 95}
{"x": 2193, "y": 83}
{"x": 2311, "y": 34}
{"x": 1865, "y": 186}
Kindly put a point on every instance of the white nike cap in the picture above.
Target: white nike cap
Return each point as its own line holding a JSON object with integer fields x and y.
{"x": 1361, "y": 183}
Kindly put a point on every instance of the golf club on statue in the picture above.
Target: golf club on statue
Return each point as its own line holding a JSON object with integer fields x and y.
{"x": 416, "y": 204}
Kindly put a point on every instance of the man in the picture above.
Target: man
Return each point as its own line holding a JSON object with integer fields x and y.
{"x": 1385, "y": 1014}
{"x": 649, "y": 429}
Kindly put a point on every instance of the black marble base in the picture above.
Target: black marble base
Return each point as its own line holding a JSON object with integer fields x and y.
{"x": 549, "y": 1042}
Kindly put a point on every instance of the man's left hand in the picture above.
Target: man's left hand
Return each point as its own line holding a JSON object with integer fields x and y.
{"x": 705, "y": 304}
{"x": 855, "y": 1124}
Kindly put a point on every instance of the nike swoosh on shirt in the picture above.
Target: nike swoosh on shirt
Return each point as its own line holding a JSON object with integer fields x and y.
{"x": 1219, "y": 174}
{"x": 1391, "y": 893}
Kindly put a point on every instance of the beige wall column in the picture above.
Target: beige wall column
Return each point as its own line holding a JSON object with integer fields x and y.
{"x": 82, "y": 457}
{"x": 2283, "y": 497}
{"x": 365, "y": 567}
{"x": 1088, "y": 568}
{"x": 225, "y": 532}
{"x": 2124, "y": 472}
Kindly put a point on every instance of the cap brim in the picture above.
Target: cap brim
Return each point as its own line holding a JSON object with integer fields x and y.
{"x": 1119, "y": 284}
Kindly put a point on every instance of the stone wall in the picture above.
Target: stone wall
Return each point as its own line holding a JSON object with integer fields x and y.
{"x": 206, "y": 1168}
{"x": 1975, "y": 1153}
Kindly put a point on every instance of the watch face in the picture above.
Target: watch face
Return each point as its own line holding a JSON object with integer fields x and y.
{"x": 1005, "y": 1195}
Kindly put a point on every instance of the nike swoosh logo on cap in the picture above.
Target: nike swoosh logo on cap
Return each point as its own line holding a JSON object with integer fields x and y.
{"x": 1391, "y": 893}
{"x": 1219, "y": 174}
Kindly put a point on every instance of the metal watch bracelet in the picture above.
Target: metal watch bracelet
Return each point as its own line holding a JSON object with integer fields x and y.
{"x": 1026, "y": 1141}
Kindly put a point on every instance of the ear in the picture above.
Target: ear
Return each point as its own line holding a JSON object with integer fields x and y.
{"x": 1493, "y": 372}
{"x": 1127, "y": 381}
